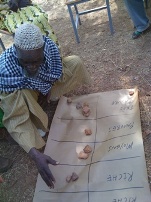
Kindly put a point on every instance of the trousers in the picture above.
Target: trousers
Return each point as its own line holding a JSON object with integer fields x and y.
{"x": 137, "y": 13}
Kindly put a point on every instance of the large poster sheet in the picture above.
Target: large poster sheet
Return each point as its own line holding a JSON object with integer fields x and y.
{"x": 115, "y": 170}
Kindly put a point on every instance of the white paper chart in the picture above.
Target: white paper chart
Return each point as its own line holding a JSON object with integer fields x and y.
{"x": 115, "y": 171}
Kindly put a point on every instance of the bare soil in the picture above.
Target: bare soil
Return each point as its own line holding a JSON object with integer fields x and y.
{"x": 114, "y": 62}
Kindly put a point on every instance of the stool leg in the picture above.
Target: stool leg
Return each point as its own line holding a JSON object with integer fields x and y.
{"x": 73, "y": 24}
{"x": 76, "y": 9}
{"x": 2, "y": 45}
{"x": 110, "y": 18}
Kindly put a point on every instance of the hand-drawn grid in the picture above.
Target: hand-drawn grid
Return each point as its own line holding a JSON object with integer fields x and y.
{"x": 121, "y": 128}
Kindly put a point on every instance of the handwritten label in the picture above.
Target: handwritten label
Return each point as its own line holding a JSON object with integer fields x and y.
{"x": 125, "y": 199}
{"x": 122, "y": 102}
{"x": 119, "y": 177}
{"x": 126, "y": 108}
{"x": 121, "y": 146}
{"x": 127, "y": 104}
{"x": 121, "y": 126}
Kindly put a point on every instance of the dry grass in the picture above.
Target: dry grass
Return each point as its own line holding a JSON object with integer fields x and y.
{"x": 114, "y": 62}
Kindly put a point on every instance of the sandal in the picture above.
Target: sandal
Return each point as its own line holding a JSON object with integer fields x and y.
{"x": 136, "y": 34}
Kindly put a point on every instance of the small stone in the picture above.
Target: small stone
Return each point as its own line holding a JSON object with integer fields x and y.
{"x": 131, "y": 93}
{"x": 85, "y": 104}
{"x": 83, "y": 155}
{"x": 85, "y": 110}
{"x": 68, "y": 178}
{"x": 87, "y": 149}
{"x": 74, "y": 176}
{"x": 87, "y": 114}
{"x": 69, "y": 100}
{"x": 78, "y": 105}
{"x": 88, "y": 131}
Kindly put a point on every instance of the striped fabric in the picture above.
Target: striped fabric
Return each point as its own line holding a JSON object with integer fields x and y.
{"x": 22, "y": 117}
{"x": 74, "y": 74}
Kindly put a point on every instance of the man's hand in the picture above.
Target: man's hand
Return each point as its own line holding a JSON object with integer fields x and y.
{"x": 42, "y": 162}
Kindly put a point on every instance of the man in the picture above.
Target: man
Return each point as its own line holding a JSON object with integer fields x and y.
{"x": 138, "y": 15}
{"x": 32, "y": 65}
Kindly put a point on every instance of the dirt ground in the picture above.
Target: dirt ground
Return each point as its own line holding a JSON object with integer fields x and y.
{"x": 114, "y": 62}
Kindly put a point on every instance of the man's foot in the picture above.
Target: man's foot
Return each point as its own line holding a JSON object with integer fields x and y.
{"x": 5, "y": 136}
{"x": 137, "y": 34}
{"x": 5, "y": 164}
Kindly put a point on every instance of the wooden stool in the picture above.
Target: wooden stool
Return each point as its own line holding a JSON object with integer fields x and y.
{"x": 75, "y": 22}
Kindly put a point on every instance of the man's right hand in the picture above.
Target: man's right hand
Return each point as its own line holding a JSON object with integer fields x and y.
{"x": 42, "y": 162}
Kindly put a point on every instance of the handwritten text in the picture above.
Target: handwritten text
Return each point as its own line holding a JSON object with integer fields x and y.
{"x": 125, "y": 199}
{"x": 123, "y": 176}
{"x": 126, "y": 146}
{"x": 121, "y": 126}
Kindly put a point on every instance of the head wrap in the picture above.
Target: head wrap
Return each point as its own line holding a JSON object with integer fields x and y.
{"x": 28, "y": 37}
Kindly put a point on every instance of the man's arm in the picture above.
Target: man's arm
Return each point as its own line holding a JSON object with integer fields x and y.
{"x": 18, "y": 122}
